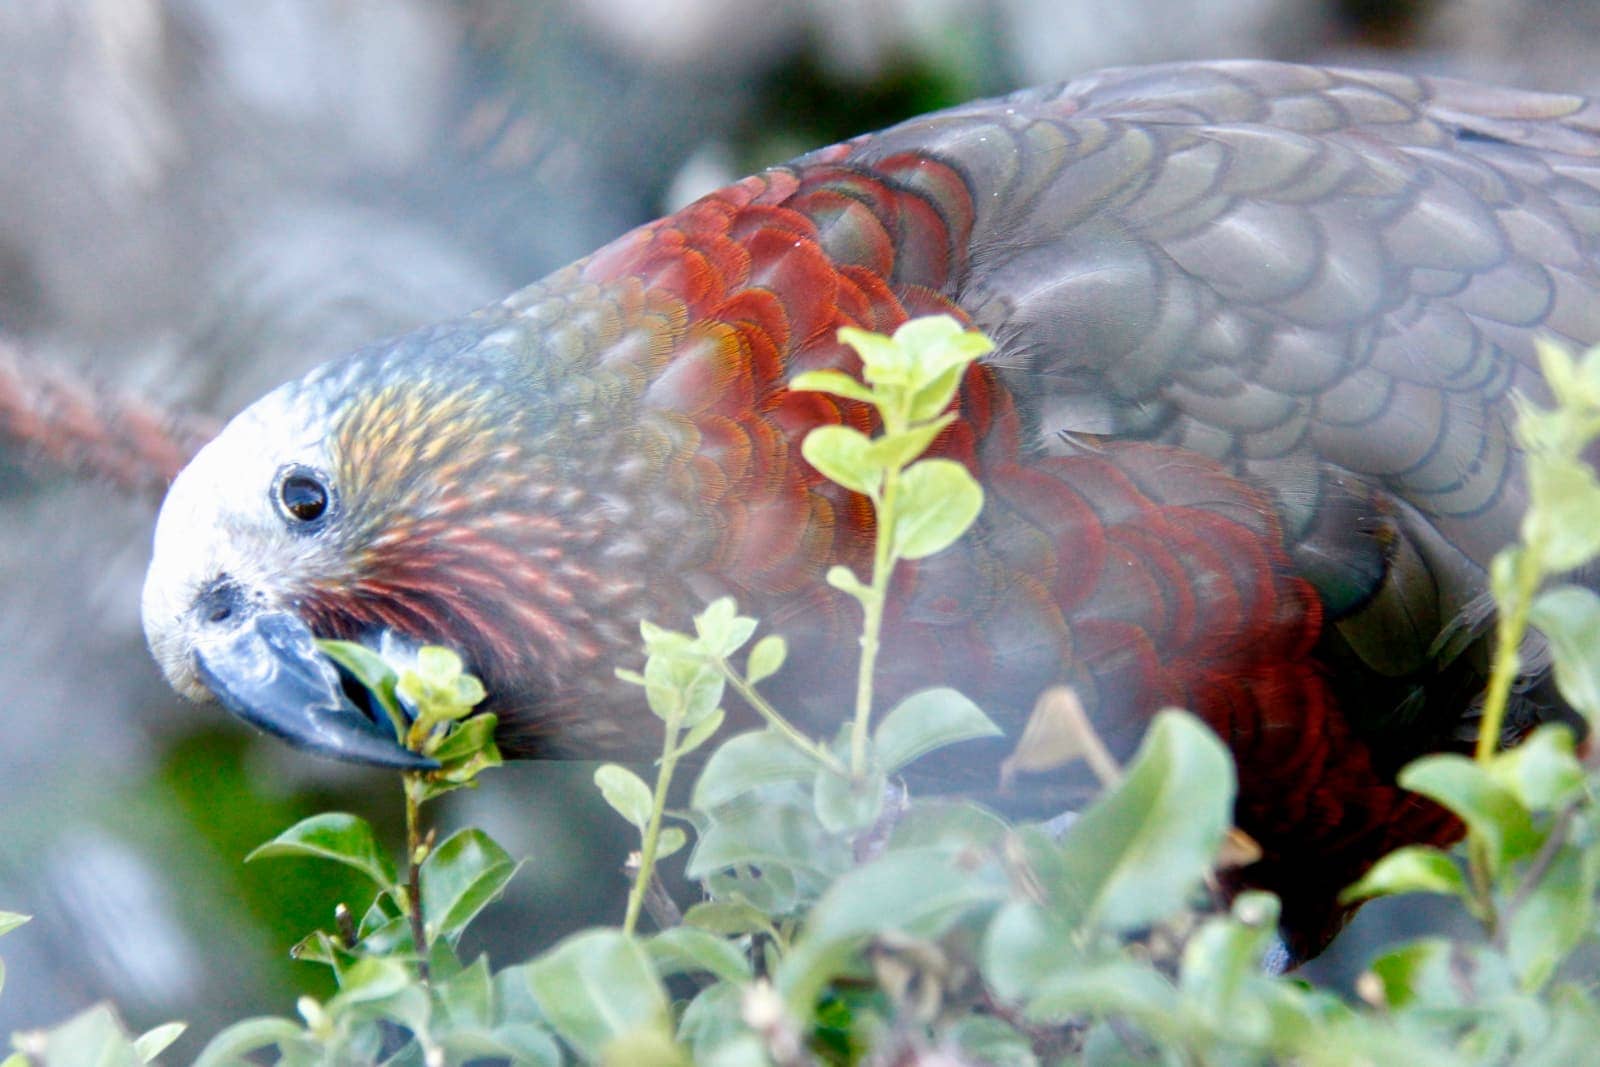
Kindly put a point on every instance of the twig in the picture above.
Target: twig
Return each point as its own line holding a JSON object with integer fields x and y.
{"x": 664, "y": 911}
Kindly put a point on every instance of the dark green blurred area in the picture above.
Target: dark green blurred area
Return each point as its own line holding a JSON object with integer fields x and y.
{"x": 206, "y": 205}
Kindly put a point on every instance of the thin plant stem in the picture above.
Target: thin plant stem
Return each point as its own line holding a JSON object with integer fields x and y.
{"x": 872, "y": 620}
{"x": 1508, "y": 639}
{"x": 1507, "y": 661}
{"x": 416, "y": 853}
{"x": 652, "y": 831}
{"x": 774, "y": 718}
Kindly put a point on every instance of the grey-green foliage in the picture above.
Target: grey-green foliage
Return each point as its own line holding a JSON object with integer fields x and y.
{"x": 840, "y": 919}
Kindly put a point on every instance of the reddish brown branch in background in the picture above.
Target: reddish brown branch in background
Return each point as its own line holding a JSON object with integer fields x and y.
{"x": 60, "y": 419}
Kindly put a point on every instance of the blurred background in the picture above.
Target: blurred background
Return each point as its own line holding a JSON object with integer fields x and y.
{"x": 201, "y": 198}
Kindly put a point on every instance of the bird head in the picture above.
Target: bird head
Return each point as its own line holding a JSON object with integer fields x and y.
{"x": 410, "y": 491}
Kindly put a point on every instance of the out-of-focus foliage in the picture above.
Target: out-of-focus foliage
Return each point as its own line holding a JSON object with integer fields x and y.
{"x": 841, "y": 920}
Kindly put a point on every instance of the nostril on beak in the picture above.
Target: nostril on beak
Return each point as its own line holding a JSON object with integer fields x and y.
{"x": 219, "y": 600}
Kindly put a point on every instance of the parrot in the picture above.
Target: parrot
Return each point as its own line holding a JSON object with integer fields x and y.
{"x": 1246, "y": 439}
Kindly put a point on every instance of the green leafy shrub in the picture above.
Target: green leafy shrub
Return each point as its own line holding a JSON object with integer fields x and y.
{"x": 841, "y": 920}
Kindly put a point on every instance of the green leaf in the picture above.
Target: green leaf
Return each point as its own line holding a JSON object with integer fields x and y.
{"x": 843, "y": 455}
{"x": 318, "y": 946}
{"x": 337, "y": 836}
{"x": 938, "y": 500}
{"x": 1491, "y": 811}
{"x": 766, "y": 658}
{"x": 765, "y": 836}
{"x": 941, "y": 353}
{"x": 1220, "y": 965}
{"x": 520, "y": 1022}
{"x": 1024, "y": 944}
{"x": 372, "y": 988}
{"x": 1504, "y": 571}
{"x": 1564, "y": 499}
{"x": 832, "y": 381}
{"x": 438, "y": 687}
{"x": 928, "y": 720}
{"x": 844, "y": 579}
{"x": 1412, "y": 869}
{"x": 374, "y": 674}
{"x": 460, "y": 878}
{"x": 379, "y": 913}
{"x": 771, "y": 887}
{"x": 729, "y": 918}
{"x": 467, "y": 997}
{"x": 1569, "y": 617}
{"x": 715, "y": 623}
{"x": 746, "y": 762}
{"x": 649, "y": 1047}
{"x": 1543, "y": 770}
{"x": 670, "y": 840}
{"x": 1112, "y": 987}
{"x": 526, "y": 1045}
{"x": 701, "y": 732}
{"x": 661, "y": 641}
{"x": 952, "y": 823}
{"x": 10, "y": 920}
{"x": 368, "y": 980}
{"x": 935, "y": 395}
{"x": 1554, "y": 917}
{"x": 93, "y": 1038}
{"x": 723, "y": 631}
{"x": 893, "y": 451}
{"x": 1559, "y": 370}
{"x": 234, "y": 1045}
{"x": 684, "y": 949}
{"x": 464, "y": 752}
{"x": 595, "y": 987}
{"x": 1588, "y": 394}
{"x": 153, "y": 1043}
{"x": 883, "y": 362}
{"x": 713, "y": 1025}
{"x": 1436, "y": 973}
{"x": 683, "y": 687}
{"x": 471, "y": 738}
{"x": 1137, "y": 853}
{"x": 937, "y": 342}
{"x": 916, "y": 892}
{"x": 626, "y": 792}
{"x": 986, "y": 1039}
{"x": 519, "y": 1044}
{"x": 1570, "y": 1037}
{"x": 844, "y": 803}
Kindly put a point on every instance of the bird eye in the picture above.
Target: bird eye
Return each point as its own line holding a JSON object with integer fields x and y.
{"x": 302, "y": 494}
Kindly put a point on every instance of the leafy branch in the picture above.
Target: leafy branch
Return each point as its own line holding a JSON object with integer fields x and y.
{"x": 920, "y": 507}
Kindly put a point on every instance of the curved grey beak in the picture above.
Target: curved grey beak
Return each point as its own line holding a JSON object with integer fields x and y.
{"x": 267, "y": 670}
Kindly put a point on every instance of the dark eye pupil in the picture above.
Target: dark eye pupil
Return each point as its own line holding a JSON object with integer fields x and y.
{"x": 303, "y": 497}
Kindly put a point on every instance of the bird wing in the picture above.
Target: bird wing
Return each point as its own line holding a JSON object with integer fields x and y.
{"x": 1330, "y": 281}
